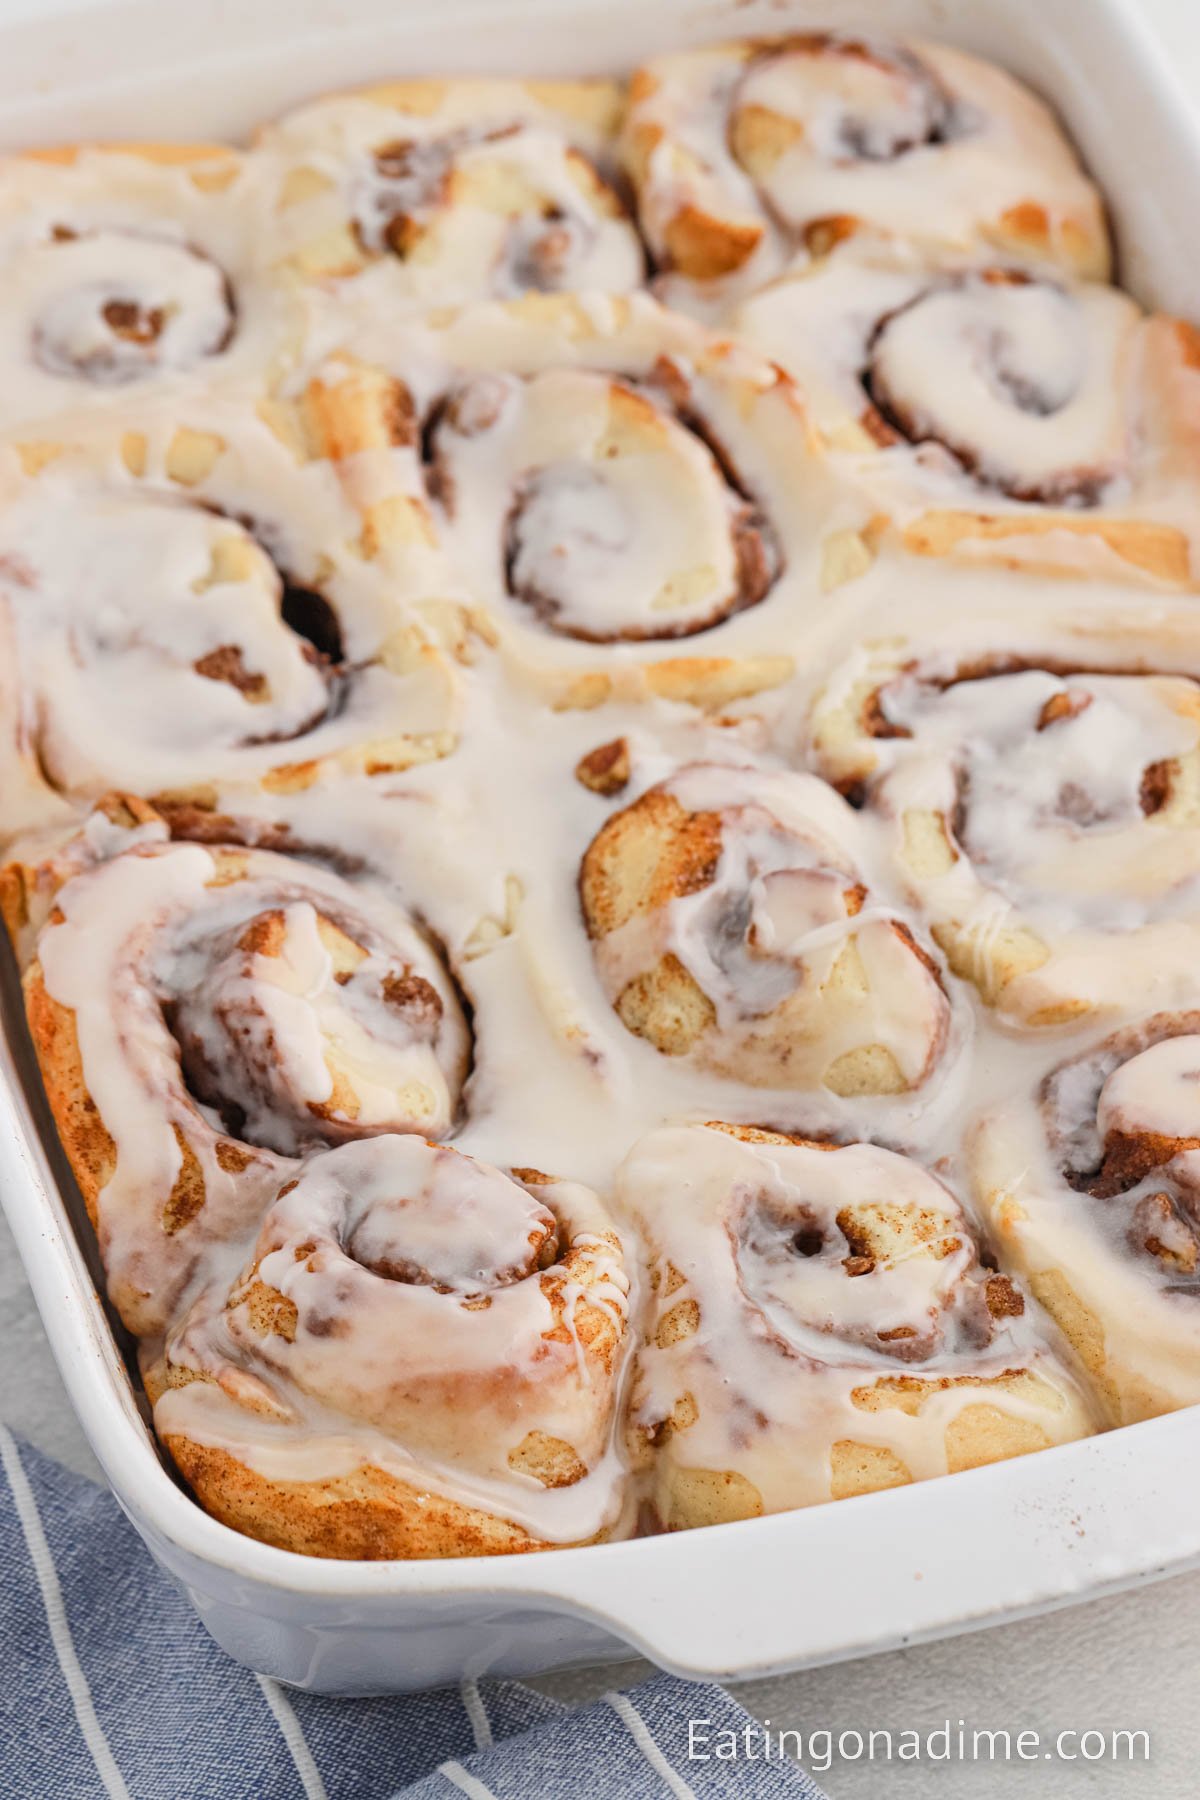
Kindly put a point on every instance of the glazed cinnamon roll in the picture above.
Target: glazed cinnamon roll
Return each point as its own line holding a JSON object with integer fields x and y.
{"x": 421, "y": 1357}
{"x": 425, "y": 192}
{"x": 205, "y": 1016}
{"x": 343, "y": 480}
{"x": 822, "y": 1325}
{"x": 218, "y": 616}
{"x": 133, "y": 270}
{"x": 730, "y": 924}
{"x": 745, "y": 154}
{"x": 1091, "y": 1187}
{"x": 1041, "y": 811}
{"x": 630, "y": 503}
{"x": 998, "y": 413}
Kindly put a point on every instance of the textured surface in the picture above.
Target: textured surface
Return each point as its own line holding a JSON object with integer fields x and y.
{"x": 1126, "y": 1662}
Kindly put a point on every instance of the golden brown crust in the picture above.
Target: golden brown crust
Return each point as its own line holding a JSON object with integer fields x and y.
{"x": 86, "y": 1140}
{"x": 759, "y": 1134}
{"x": 544, "y": 1414}
{"x": 1161, "y": 551}
{"x": 367, "y": 1514}
{"x": 644, "y": 857}
{"x": 706, "y": 248}
{"x": 90, "y": 1147}
{"x": 822, "y": 1415}
{"x": 647, "y": 856}
{"x": 167, "y": 155}
{"x": 14, "y": 900}
{"x": 596, "y": 102}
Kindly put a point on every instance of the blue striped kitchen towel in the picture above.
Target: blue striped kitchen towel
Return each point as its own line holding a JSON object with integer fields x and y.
{"x": 112, "y": 1689}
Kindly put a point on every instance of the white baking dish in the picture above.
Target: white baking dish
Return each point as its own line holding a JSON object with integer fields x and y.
{"x": 734, "y": 1600}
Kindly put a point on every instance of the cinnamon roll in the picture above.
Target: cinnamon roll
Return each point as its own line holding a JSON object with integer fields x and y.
{"x": 614, "y": 485}
{"x": 218, "y": 617}
{"x": 730, "y": 924}
{"x": 1091, "y": 1186}
{"x": 997, "y": 412}
{"x": 421, "y": 1357}
{"x": 745, "y": 154}
{"x": 420, "y": 193}
{"x": 203, "y": 1016}
{"x": 1041, "y": 808}
{"x": 342, "y": 478}
{"x": 823, "y": 1324}
{"x": 132, "y": 270}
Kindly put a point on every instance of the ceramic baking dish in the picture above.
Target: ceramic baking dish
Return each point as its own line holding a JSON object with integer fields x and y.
{"x": 733, "y": 1600}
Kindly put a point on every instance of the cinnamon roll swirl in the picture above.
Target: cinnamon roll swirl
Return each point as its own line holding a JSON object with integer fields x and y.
{"x": 823, "y": 1324}
{"x": 421, "y": 1357}
{"x": 341, "y": 480}
{"x": 730, "y": 924}
{"x": 1041, "y": 808}
{"x": 610, "y": 482}
{"x": 204, "y": 1016}
{"x": 996, "y": 412}
{"x": 420, "y": 193}
{"x": 133, "y": 270}
{"x": 745, "y": 154}
{"x": 1091, "y": 1187}
{"x": 219, "y": 617}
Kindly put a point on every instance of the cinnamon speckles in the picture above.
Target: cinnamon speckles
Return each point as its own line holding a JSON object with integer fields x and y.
{"x": 490, "y": 198}
{"x": 605, "y": 770}
{"x": 415, "y": 997}
{"x": 875, "y": 720}
{"x": 122, "y": 307}
{"x": 1065, "y": 704}
{"x": 356, "y": 990}
{"x": 401, "y": 417}
{"x": 1154, "y": 789}
{"x": 410, "y": 1290}
{"x": 1004, "y": 1298}
{"x": 412, "y": 178}
{"x": 227, "y": 664}
{"x": 136, "y": 324}
{"x": 702, "y": 899}
{"x": 822, "y": 1280}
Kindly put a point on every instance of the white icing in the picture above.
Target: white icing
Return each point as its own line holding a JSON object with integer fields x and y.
{"x": 1093, "y": 1193}
{"x": 625, "y": 399}
{"x": 117, "y": 311}
{"x": 989, "y": 393}
{"x": 468, "y": 860}
{"x": 148, "y": 957}
{"x": 172, "y": 244}
{"x": 1063, "y": 805}
{"x": 431, "y": 1295}
{"x": 612, "y": 518}
{"x": 1023, "y": 380}
{"x": 1158, "y": 1091}
{"x": 765, "y": 939}
{"x": 485, "y": 189}
{"x": 791, "y": 1324}
{"x": 849, "y": 107}
{"x": 154, "y": 643}
{"x": 924, "y": 142}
